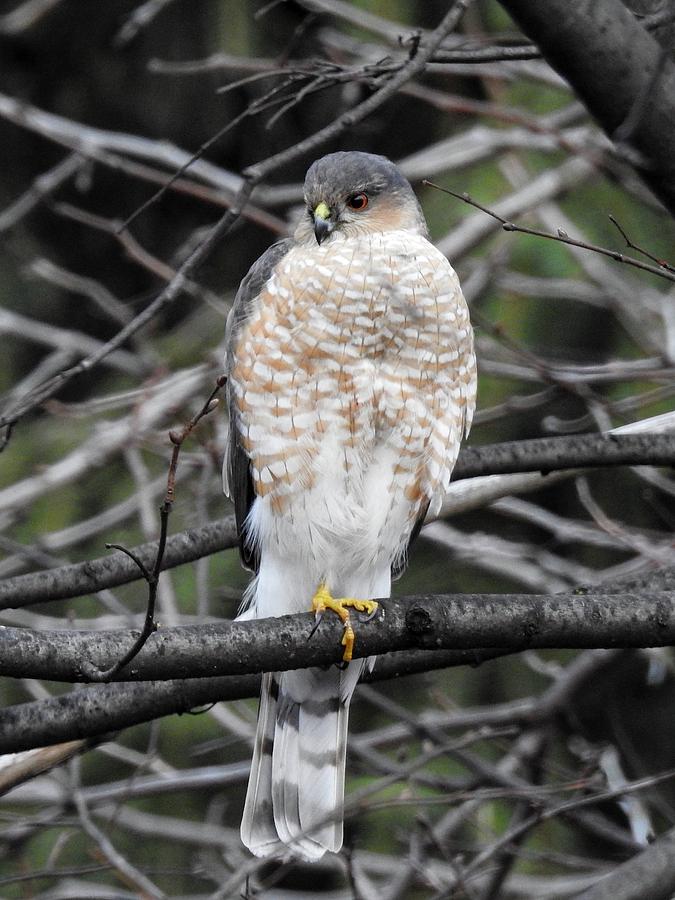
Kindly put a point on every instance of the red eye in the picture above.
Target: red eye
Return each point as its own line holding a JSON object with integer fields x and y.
{"x": 358, "y": 202}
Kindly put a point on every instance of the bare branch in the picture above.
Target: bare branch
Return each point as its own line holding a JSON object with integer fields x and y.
{"x": 151, "y": 577}
{"x": 117, "y": 860}
{"x": 43, "y": 186}
{"x": 109, "y": 571}
{"x": 563, "y": 238}
{"x": 452, "y": 622}
{"x": 662, "y": 263}
{"x": 106, "y": 440}
{"x": 103, "y": 708}
{"x": 139, "y": 19}
{"x": 25, "y": 15}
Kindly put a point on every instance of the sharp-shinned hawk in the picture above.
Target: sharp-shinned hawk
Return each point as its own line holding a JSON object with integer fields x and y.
{"x": 351, "y": 382}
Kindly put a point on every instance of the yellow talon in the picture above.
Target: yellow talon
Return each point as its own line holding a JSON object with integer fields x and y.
{"x": 323, "y": 600}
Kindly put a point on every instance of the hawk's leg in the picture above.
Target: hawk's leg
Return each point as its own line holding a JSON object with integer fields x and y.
{"x": 323, "y": 600}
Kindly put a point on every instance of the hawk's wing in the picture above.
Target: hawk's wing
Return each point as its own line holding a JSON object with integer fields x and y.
{"x": 468, "y": 389}
{"x": 400, "y": 564}
{"x": 237, "y": 481}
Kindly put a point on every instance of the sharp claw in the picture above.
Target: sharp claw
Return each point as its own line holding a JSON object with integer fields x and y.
{"x": 317, "y": 621}
{"x": 323, "y": 600}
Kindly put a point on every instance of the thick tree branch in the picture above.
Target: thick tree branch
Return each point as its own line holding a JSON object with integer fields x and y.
{"x": 538, "y": 455}
{"x": 115, "y": 568}
{"x": 428, "y": 622}
{"x": 620, "y": 73}
{"x": 102, "y": 708}
{"x": 571, "y": 452}
{"x": 650, "y": 874}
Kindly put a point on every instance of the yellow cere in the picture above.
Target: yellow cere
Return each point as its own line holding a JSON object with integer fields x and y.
{"x": 322, "y": 211}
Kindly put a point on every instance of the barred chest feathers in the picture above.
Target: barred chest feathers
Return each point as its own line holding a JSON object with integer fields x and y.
{"x": 355, "y": 374}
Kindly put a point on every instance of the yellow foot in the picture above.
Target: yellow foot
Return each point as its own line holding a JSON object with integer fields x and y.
{"x": 323, "y": 600}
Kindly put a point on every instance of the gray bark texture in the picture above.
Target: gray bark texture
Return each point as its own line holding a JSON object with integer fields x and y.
{"x": 649, "y": 875}
{"x": 618, "y": 70}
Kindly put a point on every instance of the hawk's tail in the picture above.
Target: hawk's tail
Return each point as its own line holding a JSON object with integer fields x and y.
{"x": 296, "y": 787}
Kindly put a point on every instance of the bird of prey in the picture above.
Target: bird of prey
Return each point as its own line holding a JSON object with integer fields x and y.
{"x": 351, "y": 382}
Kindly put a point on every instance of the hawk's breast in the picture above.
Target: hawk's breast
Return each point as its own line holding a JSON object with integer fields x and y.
{"x": 359, "y": 350}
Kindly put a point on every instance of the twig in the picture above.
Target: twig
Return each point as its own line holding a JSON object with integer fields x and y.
{"x": 120, "y": 863}
{"x": 109, "y": 438}
{"x": 254, "y": 174}
{"x": 562, "y": 808}
{"x": 391, "y": 31}
{"x": 253, "y": 109}
{"x": 66, "y": 339}
{"x": 561, "y": 236}
{"x": 104, "y": 299}
{"x": 140, "y": 18}
{"x": 42, "y": 187}
{"x": 352, "y": 117}
{"x": 152, "y": 576}
{"x": 128, "y": 242}
{"x": 203, "y": 192}
{"x": 178, "y": 283}
{"x": 662, "y": 263}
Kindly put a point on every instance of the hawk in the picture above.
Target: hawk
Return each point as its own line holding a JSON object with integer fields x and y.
{"x": 351, "y": 382}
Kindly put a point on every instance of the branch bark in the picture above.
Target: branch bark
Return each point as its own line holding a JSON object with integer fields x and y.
{"x": 650, "y": 874}
{"x": 114, "y": 569}
{"x": 104, "y": 708}
{"x": 426, "y": 622}
{"x": 620, "y": 73}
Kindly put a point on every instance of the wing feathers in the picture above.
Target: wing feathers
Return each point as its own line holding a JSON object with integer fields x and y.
{"x": 237, "y": 482}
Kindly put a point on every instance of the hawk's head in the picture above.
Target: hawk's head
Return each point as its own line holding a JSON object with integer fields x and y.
{"x": 352, "y": 192}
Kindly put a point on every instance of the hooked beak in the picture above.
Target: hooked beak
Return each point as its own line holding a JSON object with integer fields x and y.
{"x": 322, "y": 222}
